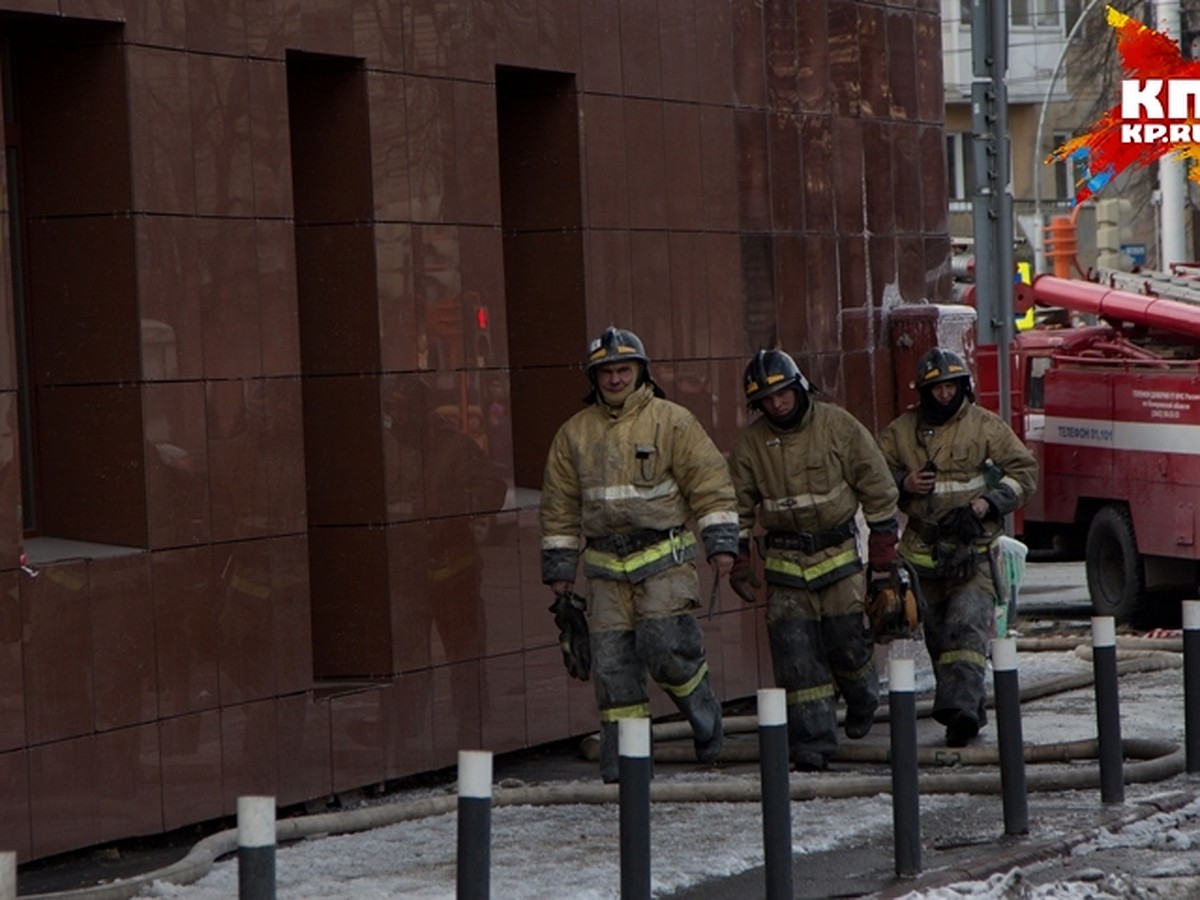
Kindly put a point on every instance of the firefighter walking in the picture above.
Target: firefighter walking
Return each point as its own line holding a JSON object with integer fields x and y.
{"x": 804, "y": 469}
{"x": 622, "y": 477}
{"x": 960, "y": 470}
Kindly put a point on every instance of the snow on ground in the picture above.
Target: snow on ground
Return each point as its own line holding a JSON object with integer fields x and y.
{"x": 556, "y": 851}
{"x": 574, "y": 850}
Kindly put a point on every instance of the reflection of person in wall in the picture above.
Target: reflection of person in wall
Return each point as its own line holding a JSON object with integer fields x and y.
{"x": 499, "y": 430}
{"x": 458, "y": 480}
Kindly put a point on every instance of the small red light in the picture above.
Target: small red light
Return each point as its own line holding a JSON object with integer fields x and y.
{"x": 481, "y": 317}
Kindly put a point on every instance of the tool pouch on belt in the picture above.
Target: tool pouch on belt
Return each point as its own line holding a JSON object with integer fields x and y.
{"x": 953, "y": 547}
{"x": 894, "y": 605}
{"x": 573, "y": 639}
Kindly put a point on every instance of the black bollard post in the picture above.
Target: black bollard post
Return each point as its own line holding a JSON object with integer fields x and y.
{"x": 633, "y": 768}
{"x": 1191, "y": 683}
{"x": 906, "y": 810}
{"x": 474, "y": 824}
{"x": 256, "y": 848}
{"x": 776, "y": 792}
{"x": 1009, "y": 736}
{"x": 1108, "y": 710}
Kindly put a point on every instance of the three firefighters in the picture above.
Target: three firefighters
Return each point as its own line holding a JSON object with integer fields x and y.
{"x": 626, "y": 473}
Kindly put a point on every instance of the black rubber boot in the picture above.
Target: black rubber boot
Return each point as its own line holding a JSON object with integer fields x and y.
{"x": 852, "y": 661}
{"x": 673, "y": 651}
{"x": 797, "y": 655}
{"x": 620, "y": 683}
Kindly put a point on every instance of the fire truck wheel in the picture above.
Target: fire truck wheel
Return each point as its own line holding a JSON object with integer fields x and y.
{"x": 1115, "y": 573}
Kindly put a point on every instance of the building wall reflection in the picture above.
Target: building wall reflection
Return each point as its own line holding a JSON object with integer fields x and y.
{"x": 294, "y": 297}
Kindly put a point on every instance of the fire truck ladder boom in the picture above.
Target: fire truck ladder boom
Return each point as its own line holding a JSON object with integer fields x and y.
{"x": 1114, "y": 303}
{"x": 1175, "y": 285}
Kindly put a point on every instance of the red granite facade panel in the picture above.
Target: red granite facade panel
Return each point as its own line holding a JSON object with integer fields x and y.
{"x": 849, "y": 162}
{"x": 122, "y": 610}
{"x": 876, "y": 98}
{"x": 813, "y": 87}
{"x": 845, "y": 72}
{"x": 689, "y": 297}
{"x": 907, "y": 182}
{"x": 787, "y": 172}
{"x": 15, "y": 818}
{"x": 304, "y": 749}
{"x": 677, "y": 43}
{"x": 902, "y": 65}
{"x": 13, "y": 733}
{"x": 852, "y": 271}
{"x": 879, "y": 178}
{"x": 57, "y": 655}
{"x": 714, "y": 52}
{"x": 641, "y": 53}
{"x": 310, "y": 285}
{"x": 600, "y": 54}
{"x": 749, "y": 57}
{"x": 927, "y": 28}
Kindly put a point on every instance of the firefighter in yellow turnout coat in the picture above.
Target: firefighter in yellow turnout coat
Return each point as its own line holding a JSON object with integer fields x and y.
{"x": 960, "y": 470}
{"x": 622, "y": 477}
{"x": 805, "y": 468}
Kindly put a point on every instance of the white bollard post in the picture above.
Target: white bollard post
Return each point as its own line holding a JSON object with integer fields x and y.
{"x": 1108, "y": 709}
{"x": 474, "y": 824}
{"x": 256, "y": 848}
{"x": 8, "y": 875}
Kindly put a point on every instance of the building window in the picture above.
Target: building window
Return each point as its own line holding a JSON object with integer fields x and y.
{"x": 1064, "y": 170}
{"x": 960, "y": 165}
{"x": 1035, "y": 14}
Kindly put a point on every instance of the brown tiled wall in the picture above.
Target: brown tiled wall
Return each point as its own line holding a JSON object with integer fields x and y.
{"x": 307, "y": 302}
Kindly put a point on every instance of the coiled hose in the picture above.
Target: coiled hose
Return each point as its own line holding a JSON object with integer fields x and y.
{"x": 1156, "y": 760}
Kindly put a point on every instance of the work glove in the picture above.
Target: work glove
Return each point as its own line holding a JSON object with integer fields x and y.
{"x": 573, "y": 637}
{"x": 881, "y": 551}
{"x": 962, "y": 524}
{"x": 741, "y": 577}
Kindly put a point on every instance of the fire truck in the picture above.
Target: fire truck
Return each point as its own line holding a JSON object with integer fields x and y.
{"x": 1106, "y": 392}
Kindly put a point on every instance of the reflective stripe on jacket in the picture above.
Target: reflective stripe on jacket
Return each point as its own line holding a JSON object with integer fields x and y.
{"x": 976, "y": 454}
{"x": 647, "y": 465}
{"x": 812, "y": 477}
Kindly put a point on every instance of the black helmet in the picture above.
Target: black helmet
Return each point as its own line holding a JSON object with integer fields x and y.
{"x": 616, "y": 344}
{"x": 939, "y": 365}
{"x": 769, "y": 372}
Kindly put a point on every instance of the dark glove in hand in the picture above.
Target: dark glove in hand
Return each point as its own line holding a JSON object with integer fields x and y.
{"x": 742, "y": 578}
{"x": 961, "y": 523}
{"x": 881, "y": 551}
{"x": 573, "y": 637}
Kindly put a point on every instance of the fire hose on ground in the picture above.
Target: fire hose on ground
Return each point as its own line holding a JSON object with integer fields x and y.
{"x": 1155, "y": 760}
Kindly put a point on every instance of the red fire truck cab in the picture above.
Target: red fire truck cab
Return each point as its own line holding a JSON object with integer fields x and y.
{"x": 1112, "y": 411}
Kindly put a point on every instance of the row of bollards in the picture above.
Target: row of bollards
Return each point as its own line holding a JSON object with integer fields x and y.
{"x": 256, "y": 814}
{"x": 636, "y": 763}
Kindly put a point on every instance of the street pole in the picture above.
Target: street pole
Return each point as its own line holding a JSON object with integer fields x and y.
{"x": 1171, "y": 181}
{"x": 992, "y": 193}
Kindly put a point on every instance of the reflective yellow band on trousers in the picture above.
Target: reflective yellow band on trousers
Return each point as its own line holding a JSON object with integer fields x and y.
{"x": 859, "y": 674}
{"x": 627, "y": 565}
{"x": 617, "y": 713}
{"x": 967, "y": 656}
{"x": 810, "y": 695}
{"x": 925, "y": 560}
{"x": 441, "y": 573}
{"x": 814, "y": 572}
{"x": 685, "y": 689}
